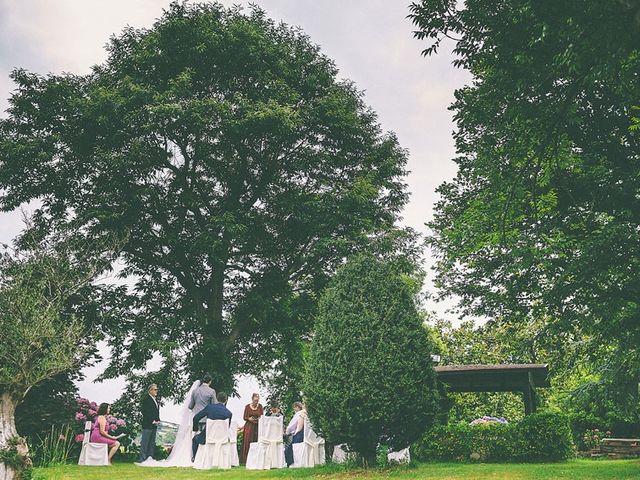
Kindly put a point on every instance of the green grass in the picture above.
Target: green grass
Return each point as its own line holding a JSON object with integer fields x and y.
{"x": 574, "y": 469}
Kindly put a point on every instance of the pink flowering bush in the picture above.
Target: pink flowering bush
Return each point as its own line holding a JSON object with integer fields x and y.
{"x": 87, "y": 410}
{"x": 592, "y": 438}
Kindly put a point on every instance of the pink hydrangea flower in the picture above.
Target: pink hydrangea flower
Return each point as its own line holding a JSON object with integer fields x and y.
{"x": 79, "y": 437}
{"x": 92, "y": 413}
{"x": 113, "y": 427}
{"x": 120, "y": 422}
{"x": 80, "y": 417}
{"x": 93, "y": 406}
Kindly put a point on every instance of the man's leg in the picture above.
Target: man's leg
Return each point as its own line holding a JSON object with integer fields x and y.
{"x": 198, "y": 440}
{"x": 151, "y": 450}
{"x": 144, "y": 444}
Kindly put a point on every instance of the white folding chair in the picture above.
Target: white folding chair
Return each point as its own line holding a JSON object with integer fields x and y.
{"x": 215, "y": 453}
{"x": 233, "y": 443}
{"x": 310, "y": 452}
{"x": 268, "y": 451}
{"x": 401, "y": 456}
{"x": 94, "y": 454}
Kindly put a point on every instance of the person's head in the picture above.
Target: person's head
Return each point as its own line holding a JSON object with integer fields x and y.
{"x": 222, "y": 398}
{"x": 297, "y": 406}
{"x": 255, "y": 398}
{"x": 153, "y": 389}
{"x": 273, "y": 405}
{"x": 104, "y": 409}
{"x": 207, "y": 379}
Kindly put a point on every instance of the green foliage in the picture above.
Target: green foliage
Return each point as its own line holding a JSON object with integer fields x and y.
{"x": 49, "y": 404}
{"x": 444, "y": 442}
{"x": 541, "y": 222}
{"x": 54, "y": 448}
{"x": 539, "y": 437}
{"x": 369, "y": 376}
{"x": 240, "y": 170}
{"x": 544, "y": 436}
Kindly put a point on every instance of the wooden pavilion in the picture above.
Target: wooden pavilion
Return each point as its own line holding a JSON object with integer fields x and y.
{"x": 523, "y": 378}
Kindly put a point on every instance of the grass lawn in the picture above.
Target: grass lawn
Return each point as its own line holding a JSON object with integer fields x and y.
{"x": 574, "y": 469}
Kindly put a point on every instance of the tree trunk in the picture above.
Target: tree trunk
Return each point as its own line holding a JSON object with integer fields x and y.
{"x": 217, "y": 359}
{"x": 368, "y": 457}
{"x": 7, "y": 432}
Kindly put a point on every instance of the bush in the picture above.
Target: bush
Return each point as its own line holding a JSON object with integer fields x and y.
{"x": 544, "y": 436}
{"x": 581, "y": 422}
{"x": 444, "y": 442}
{"x": 369, "y": 376}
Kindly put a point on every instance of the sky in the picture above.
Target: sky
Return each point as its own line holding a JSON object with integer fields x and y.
{"x": 370, "y": 41}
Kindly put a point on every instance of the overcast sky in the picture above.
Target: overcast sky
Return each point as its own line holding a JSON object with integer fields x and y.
{"x": 370, "y": 40}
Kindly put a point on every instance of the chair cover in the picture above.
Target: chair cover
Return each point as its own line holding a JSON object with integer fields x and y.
{"x": 233, "y": 443}
{"x": 215, "y": 453}
{"x": 401, "y": 456}
{"x": 340, "y": 455}
{"x": 268, "y": 451}
{"x": 94, "y": 454}
{"x": 310, "y": 452}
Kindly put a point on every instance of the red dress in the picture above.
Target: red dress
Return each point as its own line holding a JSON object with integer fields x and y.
{"x": 250, "y": 430}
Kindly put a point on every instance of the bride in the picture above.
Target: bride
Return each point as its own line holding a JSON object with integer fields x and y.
{"x": 180, "y": 455}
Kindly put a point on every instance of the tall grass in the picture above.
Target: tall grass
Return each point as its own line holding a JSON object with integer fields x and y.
{"x": 54, "y": 448}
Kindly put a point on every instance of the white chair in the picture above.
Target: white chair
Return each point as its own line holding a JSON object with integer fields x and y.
{"x": 233, "y": 443}
{"x": 268, "y": 451}
{"x": 215, "y": 453}
{"x": 401, "y": 456}
{"x": 94, "y": 454}
{"x": 310, "y": 452}
{"x": 340, "y": 455}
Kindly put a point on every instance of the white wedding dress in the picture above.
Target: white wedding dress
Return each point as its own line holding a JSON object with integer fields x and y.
{"x": 180, "y": 455}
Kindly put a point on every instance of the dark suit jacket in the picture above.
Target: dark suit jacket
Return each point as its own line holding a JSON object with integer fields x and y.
{"x": 214, "y": 411}
{"x": 150, "y": 412}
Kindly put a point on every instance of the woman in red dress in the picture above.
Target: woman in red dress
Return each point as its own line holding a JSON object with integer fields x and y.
{"x": 252, "y": 412}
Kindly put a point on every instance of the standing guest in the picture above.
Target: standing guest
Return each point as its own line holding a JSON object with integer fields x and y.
{"x": 213, "y": 411}
{"x": 296, "y": 430}
{"x": 201, "y": 397}
{"x": 252, "y": 412}
{"x": 274, "y": 410}
{"x": 99, "y": 431}
{"x": 150, "y": 422}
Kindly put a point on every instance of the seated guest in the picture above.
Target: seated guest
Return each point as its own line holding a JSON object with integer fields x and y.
{"x": 99, "y": 433}
{"x": 213, "y": 411}
{"x": 274, "y": 410}
{"x": 296, "y": 430}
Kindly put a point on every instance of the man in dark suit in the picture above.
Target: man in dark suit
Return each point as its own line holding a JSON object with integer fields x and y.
{"x": 213, "y": 411}
{"x": 150, "y": 421}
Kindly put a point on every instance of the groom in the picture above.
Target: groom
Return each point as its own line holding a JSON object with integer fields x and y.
{"x": 202, "y": 396}
{"x": 213, "y": 411}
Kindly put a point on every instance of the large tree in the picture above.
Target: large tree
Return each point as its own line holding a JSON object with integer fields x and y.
{"x": 542, "y": 220}
{"x": 236, "y": 165}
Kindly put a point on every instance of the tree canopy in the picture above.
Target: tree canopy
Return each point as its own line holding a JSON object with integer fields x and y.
{"x": 542, "y": 221}
{"x": 237, "y": 169}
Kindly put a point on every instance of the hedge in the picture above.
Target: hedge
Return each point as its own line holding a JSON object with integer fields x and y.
{"x": 544, "y": 436}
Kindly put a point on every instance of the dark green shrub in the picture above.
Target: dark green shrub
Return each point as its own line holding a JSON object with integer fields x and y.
{"x": 544, "y": 436}
{"x": 369, "y": 376}
{"x": 444, "y": 442}
{"x": 493, "y": 442}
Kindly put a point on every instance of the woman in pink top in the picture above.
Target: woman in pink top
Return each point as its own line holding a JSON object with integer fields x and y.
{"x": 99, "y": 433}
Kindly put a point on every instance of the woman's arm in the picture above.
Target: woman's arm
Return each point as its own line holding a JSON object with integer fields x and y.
{"x": 102, "y": 424}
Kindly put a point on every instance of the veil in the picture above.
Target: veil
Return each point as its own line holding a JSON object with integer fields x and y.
{"x": 180, "y": 455}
